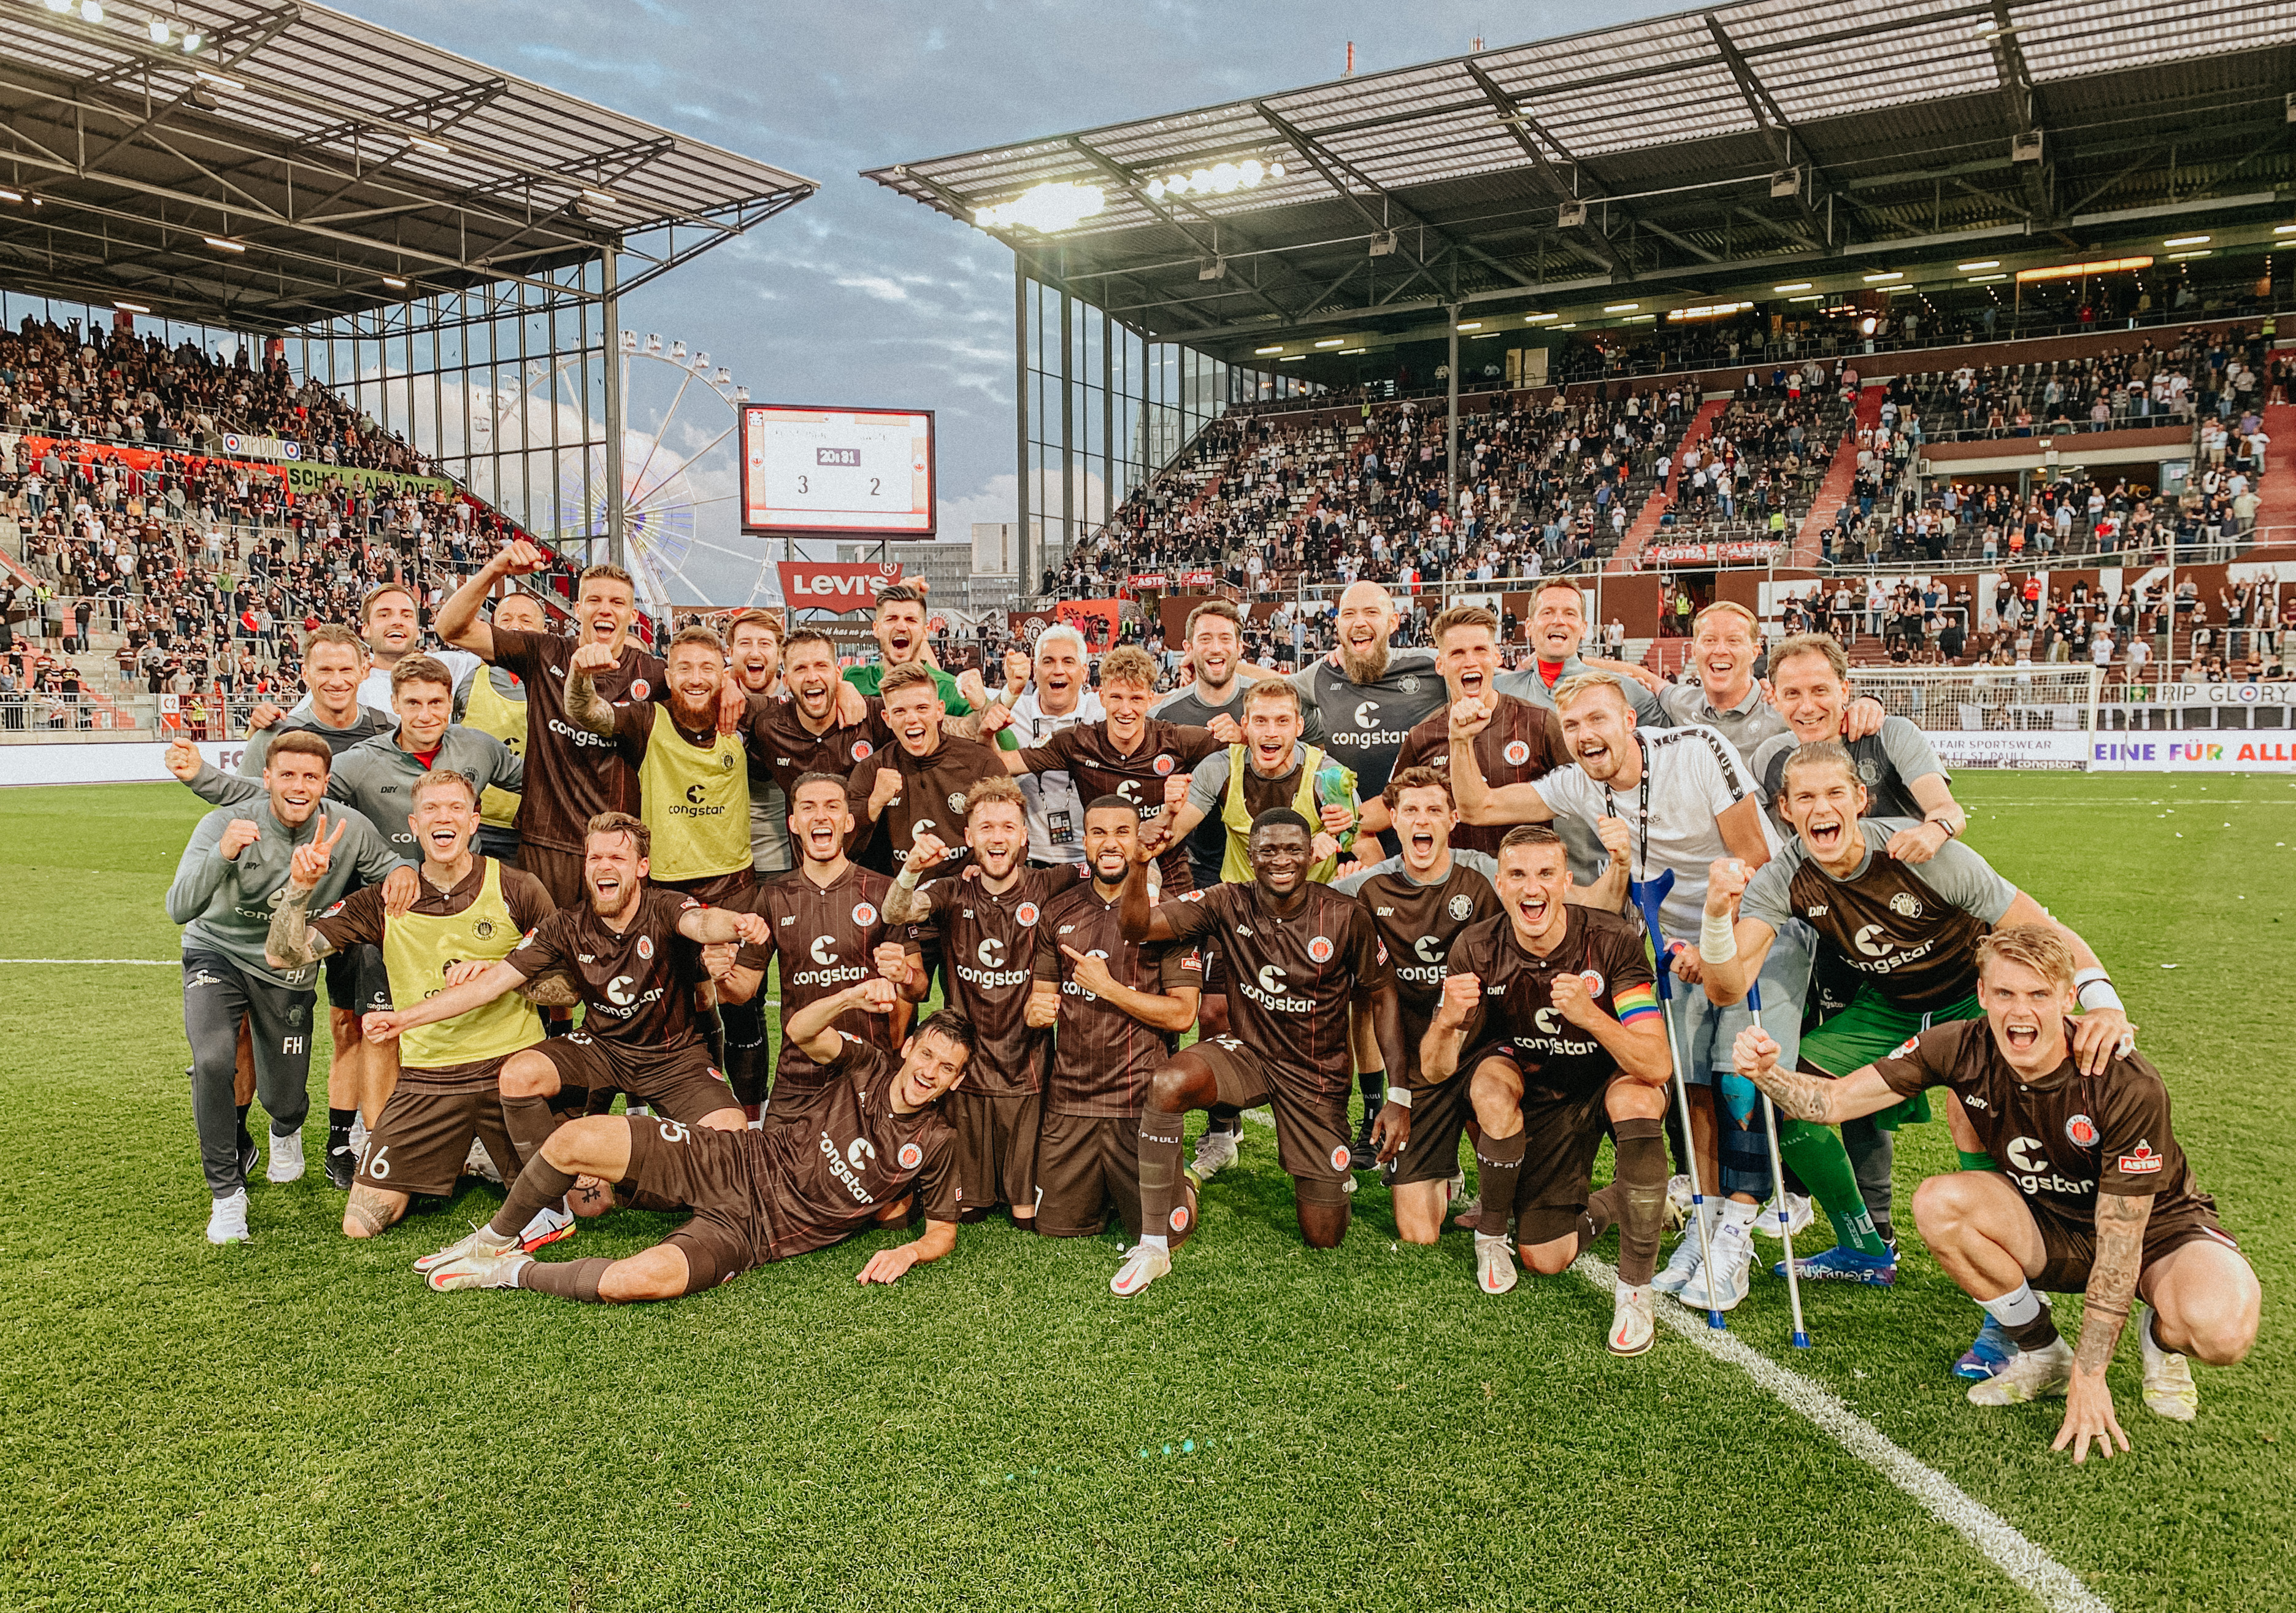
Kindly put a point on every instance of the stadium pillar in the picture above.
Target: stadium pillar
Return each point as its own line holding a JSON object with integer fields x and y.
{"x": 1031, "y": 564}
{"x": 1451, "y": 423}
{"x": 616, "y": 516}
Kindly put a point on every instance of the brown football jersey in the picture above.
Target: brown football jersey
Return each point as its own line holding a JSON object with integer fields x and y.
{"x": 2063, "y": 1139}
{"x": 933, "y": 790}
{"x": 779, "y": 740}
{"x": 825, "y": 936}
{"x": 826, "y": 1179}
{"x": 1419, "y": 924}
{"x": 571, "y": 774}
{"x": 1517, "y": 1015}
{"x": 1291, "y": 978}
{"x": 1102, "y": 1058}
{"x": 987, "y": 942}
{"x": 1165, "y": 751}
{"x": 637, "y": 984}
{"x": 1523, "y": 744}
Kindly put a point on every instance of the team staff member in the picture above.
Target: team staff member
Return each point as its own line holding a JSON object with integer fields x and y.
{"x": 1420, "y": 903}
{"x": 237, "y": 863}
{"x": 985, "y": 929}
{"x": 376, "y": 778}
{"x": 2094, "y": 1192}
{"x": 1724, "y": 639}
{"x": 1059, "y": 699}
{"x": 900, "y": 631}
{"x": 1272, "y": 768}
{"x": 1522, "y": 743}
{"x": 753, "y": 650}
{"x": 919, "y": 783}
{"x": 757, "y": 1197}
{"x": 1129, "y": 753}
{"x": 1551, "y": 1008}
{"x": 335, "y": 678}
{"x": 1304, "y": 961}
{"x": 693, "y": 779}
{"x": 470, "y": 911}
{"x": 626, "y": 950}
{"x": 493, "y": 700}
{"x": 1557, "y": 626}
{"x": 827, "y": 931}
{"x": 1365, "y": 698}
{"x": 390, "y": 625}
{"x": 1809, "y": 686}
{"x": 1118, "y": 1010}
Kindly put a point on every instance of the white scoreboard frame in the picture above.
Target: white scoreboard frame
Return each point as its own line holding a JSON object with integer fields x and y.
{"x": 804, "y": 524}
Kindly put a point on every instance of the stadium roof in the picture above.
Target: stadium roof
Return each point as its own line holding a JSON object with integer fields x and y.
{"x": 1722, "y": 144}
{"x": 296, "y": 162}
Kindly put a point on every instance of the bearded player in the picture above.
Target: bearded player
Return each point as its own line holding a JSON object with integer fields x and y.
{"x": 757, "y": 1196}
{"x": 1552, "y": 1009}
{"x": 1303, "y": 961}
{"x": 1421, "y": 903}
{"x": 2096, "y": 1194}
{"x": 985, "y": 929}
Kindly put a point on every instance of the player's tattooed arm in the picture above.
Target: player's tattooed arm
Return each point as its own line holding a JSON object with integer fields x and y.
{"x": 552, "y": 991}
{"x": 292, "y": 943}
{"x": 906, "y": 903}
{"x": 2120, "y": 1222}
{"x": 584, "y": 707}
{"x": 1799, "y": 1096}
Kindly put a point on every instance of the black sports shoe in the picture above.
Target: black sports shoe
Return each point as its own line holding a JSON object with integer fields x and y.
{"x": 342, "y": 1168}
{"x": 250, "y": 1154}
{"x": 1363, "y": 1153}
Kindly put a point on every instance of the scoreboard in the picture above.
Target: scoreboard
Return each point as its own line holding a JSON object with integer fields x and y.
{"x": 865, "y": 472}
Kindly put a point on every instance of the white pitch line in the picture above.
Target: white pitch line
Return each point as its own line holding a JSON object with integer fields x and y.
{"x": 140, "y": 963}
{"x": 2027, "y": 1566}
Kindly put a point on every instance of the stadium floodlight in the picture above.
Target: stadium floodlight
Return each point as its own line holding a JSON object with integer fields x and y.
{"x": 1622, "y": 308}
{"x": 2186, "y": 241}
{"x": 157, "y": 30}
{"x": 1983, "y": 264}
{"x": 1262, "y": 352}
{"x": 598, "y": 195}
{"x": 218, "y": 79}
{"x": 437, "y": 148}
{"x": 131, "y": 308}
{"x": 225, "y": 244}
{"x": 1534, "y": 318}
{"x": 192, "y": 41}
{"x": 60, "y": 6}
{"x": 92, "y": 10}
{"x": 1471, "y": 324}
{"x": 12, "y": 195}
{"x": 1057, "y": 204}
{"x": 1336, "y": 341}
{"x": 1885, "y": 274}
{"x": 394, "y": 282}
{"x": 1798, "y": 285}
{"x": 2284, "y": 229}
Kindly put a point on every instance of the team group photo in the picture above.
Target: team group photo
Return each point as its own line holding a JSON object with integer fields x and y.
{"x": 1525, "y": 844}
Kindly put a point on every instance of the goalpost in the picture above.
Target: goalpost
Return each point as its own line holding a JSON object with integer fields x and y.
{"x": 2043, "y": 716}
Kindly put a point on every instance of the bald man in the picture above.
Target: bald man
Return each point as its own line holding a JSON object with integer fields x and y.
{"x": 1367, "y": 696}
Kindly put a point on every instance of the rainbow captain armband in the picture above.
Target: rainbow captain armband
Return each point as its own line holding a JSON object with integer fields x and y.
{"x": 1635, "y": 1002}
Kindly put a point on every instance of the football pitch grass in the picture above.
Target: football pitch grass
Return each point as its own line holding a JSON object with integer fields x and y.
{"x": 298, "y": 1422}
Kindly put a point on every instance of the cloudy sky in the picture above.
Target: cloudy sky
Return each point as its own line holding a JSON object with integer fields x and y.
{"x": 859, "y": 296}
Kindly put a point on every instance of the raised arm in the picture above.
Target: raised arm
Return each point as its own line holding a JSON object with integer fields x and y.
{"x": 1731, "y": 946}
{"x": 459, "y": 621}
{"x": 813, "y": 1028}
{"x": 1478, "y": 801}
{"x": 584, "y": 707}
{"x": 1799, "y": 1097}
{"x": 1142, "y": 922}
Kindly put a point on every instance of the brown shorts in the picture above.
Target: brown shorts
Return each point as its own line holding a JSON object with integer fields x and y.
{"x": 711, "y": 890}
{"x": 1439, "y": 1114}
{"x": 1311, "y": 1133}
{"x": 996, "y": 1148}
{"x": 421, "y": 1138}
{"x": 681, "y": 1083}
{"x": 1561, "y": 1134}
{"x": 1083, "y": 1164}
{"x": 560, "y": 872}
{"x": 716, "y": 1175}
{"x": 2068, "y": 1251}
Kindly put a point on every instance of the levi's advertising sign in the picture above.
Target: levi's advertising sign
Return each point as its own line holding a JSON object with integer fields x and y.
{"x": 813, "y": 585}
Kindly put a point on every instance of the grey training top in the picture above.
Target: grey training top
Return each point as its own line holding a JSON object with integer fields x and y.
{"x": 370, "y": 723}
{"x": 1745, "y": 725}
{"x": 1526, "y": 684}
{"x": 1955, "y": 873}
{"x": 1482, "y": 862}
{"x": 225, "y": 906}
{"x": 1888, "y": 763}
{"x": 377, "y": 778}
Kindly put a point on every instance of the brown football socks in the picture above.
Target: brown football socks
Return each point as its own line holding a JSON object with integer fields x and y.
{"x": 539, "y": 1186}
{"x": 566, "y": 1279}
{"x": 1160, "y": 1170}
{"x": 1498, "y": 1168}
{"x": 530, "y": 1123}
{"x": 1638, "y": 1192}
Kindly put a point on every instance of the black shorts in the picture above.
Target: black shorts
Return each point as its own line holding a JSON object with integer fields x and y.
{"x": 357, "y": 980}
{"x": 681, "y": 1083}
{"x": 1439, "y": 1114}
{"x": 995, "y": 1147}
{"x": 1311, "y": 1130}
{"x": 423, "y": 1137}
{"x": 1086, "y": 1163}
{"x": 2068, "y": 1251}
{"x": 716, "y": 1175}
{"x": 1561, "y": 1134}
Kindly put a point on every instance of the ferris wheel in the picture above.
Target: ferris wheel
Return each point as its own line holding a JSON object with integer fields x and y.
{"x": 681, "y": 471}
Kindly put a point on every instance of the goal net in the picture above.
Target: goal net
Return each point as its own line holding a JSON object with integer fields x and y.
{"x": 1994, "y": 716}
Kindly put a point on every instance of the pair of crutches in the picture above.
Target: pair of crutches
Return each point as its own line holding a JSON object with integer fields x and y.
{"x": 1648, "y": 895}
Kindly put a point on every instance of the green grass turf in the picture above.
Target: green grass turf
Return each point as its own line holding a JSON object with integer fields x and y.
{"x": 298, "y": 1423}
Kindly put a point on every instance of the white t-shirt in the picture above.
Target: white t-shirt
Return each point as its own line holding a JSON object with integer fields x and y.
{"x": 1694, "y": 777}
{"x": 1055, "y": 807}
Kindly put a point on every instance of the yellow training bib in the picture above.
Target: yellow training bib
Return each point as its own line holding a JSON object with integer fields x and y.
{"x": 418, "y": 949}
{"x": 696, "y": 801}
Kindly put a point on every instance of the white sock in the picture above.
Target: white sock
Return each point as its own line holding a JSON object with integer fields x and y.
{"x": 1156, "y": 1240}
{"x": 2152, "y": 1338}
{"x": 1737, "y": 1212}
{"x": 2015, "y": 1308}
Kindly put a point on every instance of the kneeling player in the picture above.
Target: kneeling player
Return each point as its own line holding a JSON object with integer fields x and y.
{"x": 470, "y": 913}
{"x": 1552, "y": 1007}
{"x": 2096, "y": 1193}
{"x": 875, "y": 1136}
{"x": 1302, "y": 959}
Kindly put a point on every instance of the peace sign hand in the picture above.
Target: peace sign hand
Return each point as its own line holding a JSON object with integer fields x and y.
{"x": 311, "y": 857}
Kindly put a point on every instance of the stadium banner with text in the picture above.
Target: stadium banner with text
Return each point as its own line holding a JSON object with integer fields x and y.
{"x": 309, "y": 477}
{"x": 2069, "y": 750}
{"x": 1710, "y": 554}
{"x": 842, "y": 586}
{"x": 301, "y": 476}
{"x": 107, "y": 762}
{"x": 242, "y": 447}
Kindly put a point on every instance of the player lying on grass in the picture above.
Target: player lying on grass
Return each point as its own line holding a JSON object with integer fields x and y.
{"x": 2094, "y": 1192}
{"x": 757, "y": 1197}
{"x": 1551, "y": 1008}
{"x": 470, "y": 913}
{"x": 1302, "y": 959}
{"x": 1906, "y": 930}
